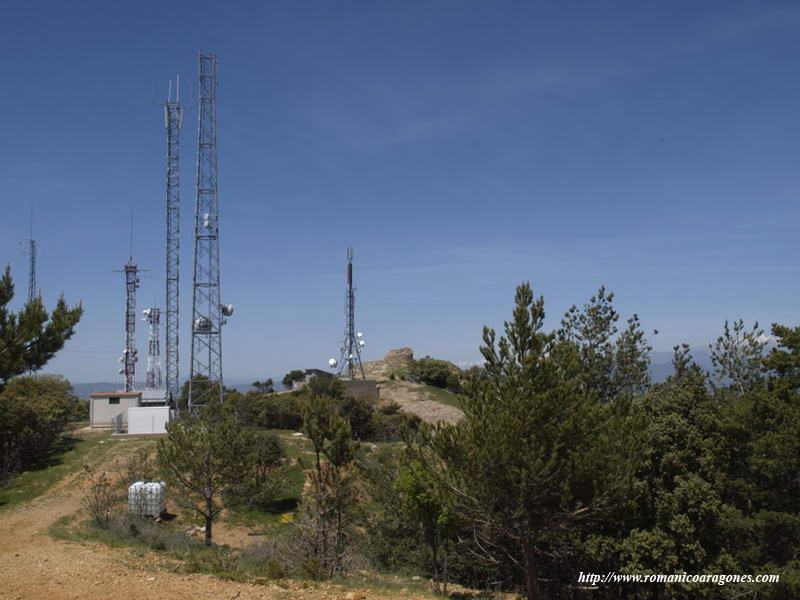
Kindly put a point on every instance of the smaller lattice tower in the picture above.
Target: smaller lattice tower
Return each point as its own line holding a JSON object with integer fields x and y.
{"x": 153, "y": 380}
{"x": 173, "y": 120}
{"x": 350, "y": 352}
{"x": 129, "y": 357}
{"x": 30, "y": 247}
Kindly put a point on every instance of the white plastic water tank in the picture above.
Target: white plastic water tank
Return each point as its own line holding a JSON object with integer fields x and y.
{"x": 148, "y": 499}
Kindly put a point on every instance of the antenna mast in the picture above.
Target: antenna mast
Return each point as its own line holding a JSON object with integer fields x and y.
{"x": 173, "y": 119}
{"x": 205, "y": 378}
{"x": 129, "y": 357}
{"x": 153, "y": 379}
{"x": 30, "y": 247}
{"x": 351, "y": 346}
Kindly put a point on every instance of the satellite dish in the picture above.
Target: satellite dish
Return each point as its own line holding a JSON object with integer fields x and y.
{"x": 146, "y": 312}
{"x": 122, "y": 371}
{"x": 227, "y": 309}
{"x": 359, "y": 335}
{"x": 361, "y": 343}
{"x": 332, "y": 363}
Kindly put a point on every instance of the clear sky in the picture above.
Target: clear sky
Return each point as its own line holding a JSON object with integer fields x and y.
{"x": 460, "y": 147}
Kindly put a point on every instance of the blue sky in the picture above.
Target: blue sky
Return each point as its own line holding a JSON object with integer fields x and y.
{"x": 461, "y": 147}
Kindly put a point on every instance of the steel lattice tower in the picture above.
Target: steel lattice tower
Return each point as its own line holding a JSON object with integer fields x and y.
{"x": 173, "y": 118}
{"x": 153, "y": 379}
{"x": 207, "y": 312}
{"x": 351, "y": 346}
{"x": 129, "y": 357}
{"x": 30, "y": 248}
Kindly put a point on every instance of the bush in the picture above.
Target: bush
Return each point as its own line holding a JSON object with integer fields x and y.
{"x": 100, "y": 498}
{"x": 392, "y": 408}
{"x": 130, "y": 528}
{"x": 138, "y": 467}
{"x": 267, "y": 475}
{"x": 292, "y": 376}
{"x": 437, "y": 373}
{"x": 390, "y": 427}
{"x": 33, "y": 412}
{"x": 359, "y": 411}
{"x": 282, "y": 412}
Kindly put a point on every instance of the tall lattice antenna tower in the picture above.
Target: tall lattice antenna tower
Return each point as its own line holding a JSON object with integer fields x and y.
{"x": 153, "y": 380}
{"x": 350, "y": 352}
{"x": 173, "y": 119}
{"x": 129, "y": 357}
{"x": 208, "y": 315}
{"x": 30, "y": 247}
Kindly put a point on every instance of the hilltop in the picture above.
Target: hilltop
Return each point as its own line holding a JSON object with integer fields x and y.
{"x": 395, "y": 375}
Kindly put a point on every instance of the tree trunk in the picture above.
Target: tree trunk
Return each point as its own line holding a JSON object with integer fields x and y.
{"x": 531, "y": 575}
{"x": 209, "y": 521}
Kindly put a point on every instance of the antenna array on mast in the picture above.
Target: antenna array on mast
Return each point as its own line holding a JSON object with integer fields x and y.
{"x": 153, "y": 379}
{"x": 30, "y": 247}
{"x": 350, "y": 352}
{"x": 173, "y": 119}
{"x": 129, "y": 356}
{"x": 205, "y": 378}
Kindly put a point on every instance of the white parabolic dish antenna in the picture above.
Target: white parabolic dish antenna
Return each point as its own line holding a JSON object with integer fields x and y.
{"x": 332, "y": 363}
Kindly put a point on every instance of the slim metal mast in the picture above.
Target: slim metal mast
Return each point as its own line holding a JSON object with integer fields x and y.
{"x": 351, "y": 346}
{"x": 129, "y": 357}
{"x": 205, "y": 378}
{"x": 173, "y": 119}
{"x": 153, "y": 379}
{"x": 30, "y": 248}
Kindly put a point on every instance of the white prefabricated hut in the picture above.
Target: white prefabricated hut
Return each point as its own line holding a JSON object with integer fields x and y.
{"x": 135, "y": 412}
{"x": 106, "y": 407}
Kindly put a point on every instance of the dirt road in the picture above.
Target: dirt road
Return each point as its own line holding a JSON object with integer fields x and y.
{"x": 35, "y": 566}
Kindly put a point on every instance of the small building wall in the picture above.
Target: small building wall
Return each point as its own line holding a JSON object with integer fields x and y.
{"x": 148, "y": 419}
{"x": 102, "y": 408}
{"x": 364, "y": 388}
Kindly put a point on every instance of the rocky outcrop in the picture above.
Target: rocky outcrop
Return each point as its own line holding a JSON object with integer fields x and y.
{"x": 395, "y": 362}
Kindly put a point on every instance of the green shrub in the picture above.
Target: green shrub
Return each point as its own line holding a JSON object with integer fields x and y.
{"x": 292, "y": 376}
{"x": 392, "y": 408}
{"x": 34, "y": 411}
{"x": 437, "y": 373}
{"x": 266, "y": 479}
{"x": 390, "y": 427}
{"x": 357, "y": 410}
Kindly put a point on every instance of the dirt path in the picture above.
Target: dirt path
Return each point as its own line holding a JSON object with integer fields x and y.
{"x": 413, "y": 399}
{"x": 34, "y": 565}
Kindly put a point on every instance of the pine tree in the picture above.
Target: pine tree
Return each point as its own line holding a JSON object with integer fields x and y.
{"x": 31, "y": 337}
{"x": 538, "y": 454}
{"x": 208, "y": 457}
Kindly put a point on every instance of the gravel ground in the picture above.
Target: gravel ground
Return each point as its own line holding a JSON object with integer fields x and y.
{"x": 35, "y": 566}
{"x": 412, "y": 398}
